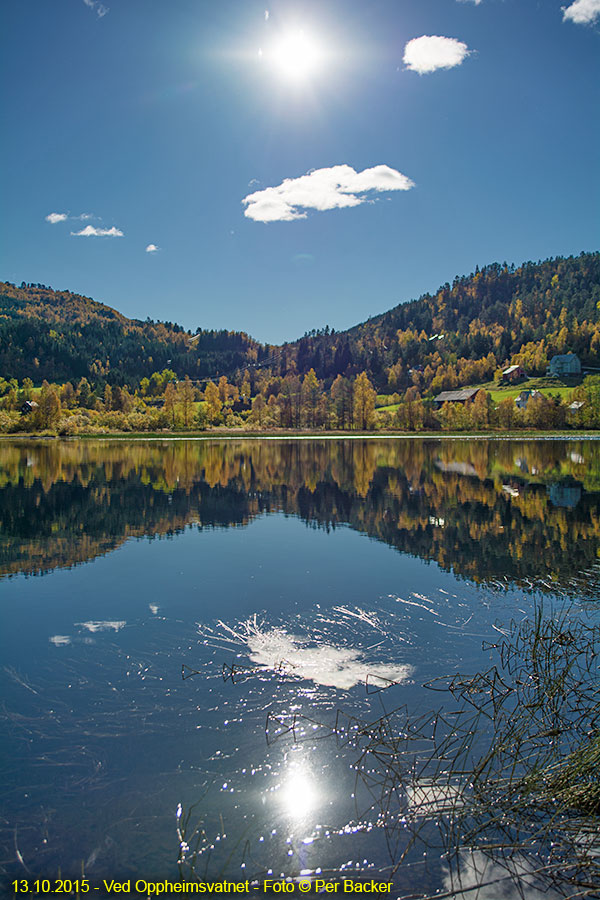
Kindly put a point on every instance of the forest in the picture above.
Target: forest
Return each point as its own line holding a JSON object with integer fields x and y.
{"x": 84, "y": 368}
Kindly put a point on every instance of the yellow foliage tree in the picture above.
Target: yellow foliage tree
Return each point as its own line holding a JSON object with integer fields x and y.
{"x": 364, "y": 402}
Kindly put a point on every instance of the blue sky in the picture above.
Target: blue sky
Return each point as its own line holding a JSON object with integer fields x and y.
{"x": 154, "y": 121}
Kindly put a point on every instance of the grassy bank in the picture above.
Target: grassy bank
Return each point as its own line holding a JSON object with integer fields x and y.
{"x": 300, "y": 434}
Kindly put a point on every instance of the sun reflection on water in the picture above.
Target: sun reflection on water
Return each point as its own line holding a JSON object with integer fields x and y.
{"x": 298, "y": 794}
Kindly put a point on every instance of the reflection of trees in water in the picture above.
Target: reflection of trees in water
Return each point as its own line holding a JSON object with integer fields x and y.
{"x": 483, "y": 509}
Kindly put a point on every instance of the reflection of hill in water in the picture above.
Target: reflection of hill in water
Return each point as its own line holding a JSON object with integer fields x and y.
{"x": 483, "y": 509}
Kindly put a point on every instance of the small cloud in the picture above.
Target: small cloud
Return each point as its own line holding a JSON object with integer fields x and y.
{"x": 152, "y": 248}
{"x": 430, "y": 52}
{"x": 267, "y": 15}
{"x": 322, "y": 189}
{"x": 582, "y": 12}
{"x": 90, "y": 231}
{"x": 476, "y": 2}
{"x": 53, "y": 218}
{"x": 99, "y": 8}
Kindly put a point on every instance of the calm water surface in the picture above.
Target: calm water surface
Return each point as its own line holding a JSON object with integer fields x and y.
{"x": 305, "y": 589}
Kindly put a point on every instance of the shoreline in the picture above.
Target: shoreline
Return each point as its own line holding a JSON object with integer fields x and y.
{"x": 234, "y": 434}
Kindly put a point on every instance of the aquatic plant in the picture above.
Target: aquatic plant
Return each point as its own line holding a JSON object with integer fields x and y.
{"x": 499, "y": 786}
{"x": 512, "y": 772}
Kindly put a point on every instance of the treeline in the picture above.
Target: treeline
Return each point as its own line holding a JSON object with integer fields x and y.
{"x": 269, "y": 402}
{"x": 460, "y": 335}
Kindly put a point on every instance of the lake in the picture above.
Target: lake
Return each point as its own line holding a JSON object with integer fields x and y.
{"x": 302, "y": 658}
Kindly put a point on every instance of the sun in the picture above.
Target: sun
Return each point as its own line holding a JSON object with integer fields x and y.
{"x": 296, "y": 55}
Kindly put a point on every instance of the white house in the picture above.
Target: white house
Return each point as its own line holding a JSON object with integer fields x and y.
{"x": 525, "y": 396}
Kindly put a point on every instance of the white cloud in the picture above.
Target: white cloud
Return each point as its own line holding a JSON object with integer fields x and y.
{"x": 53, "y": 218}
{"x": 99, "y": 8}
{"x": 431, "y": 52}
{"x": 332, "y": 188}
{"x": 476, "y": 2}
{"x": 582, "y": 12}
{"x": 266, "y": 15}
{"x": 90, "y": 231}
{"x": 152, "y": 248}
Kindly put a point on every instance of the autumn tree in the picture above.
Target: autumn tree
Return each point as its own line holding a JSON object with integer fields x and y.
{"x": 170, "y": 404}
{"x": 67, "y": 395}
{"x": 507, "y": 413}
{"x": 363, "y": 402}
{"x": 395, "y": 375}
{"x": 411, "y": 412}
{"x": 213, "y": 402}
{"x": 84, "y": 394}
{"x": 290, "y": 401}
{"x": 245, "y": 389}
{"x": 48, "y": 410}
{"x": 258, "y": 412}
{"x": 341, "y": 400}
{"x": 310, "y": 393}
{"x": 273, "y": 410}
{"x": 185, "y": 398}
{"x": 159, "y": 381}
{"x": 480, "y": 410}
{"x": 324, "y": 411}
{"x": 121, "y": 399}
{"x": 27, "y": 389}
{"x": 228, "y": 393}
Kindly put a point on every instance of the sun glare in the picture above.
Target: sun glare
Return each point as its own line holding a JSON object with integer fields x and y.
{"x": 298, "y": 795}
{"x": 296, "y": 55}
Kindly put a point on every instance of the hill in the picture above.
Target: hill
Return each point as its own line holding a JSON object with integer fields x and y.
{"x": 59, "y": 336}
{"x": 457, "y": 336}
{"x": 464, "y": 331}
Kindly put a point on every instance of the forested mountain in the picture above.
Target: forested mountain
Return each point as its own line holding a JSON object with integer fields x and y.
{"x": 495, "y": 315}
{"x": 59, "y": 336}
{"x": 459, "y": 335}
